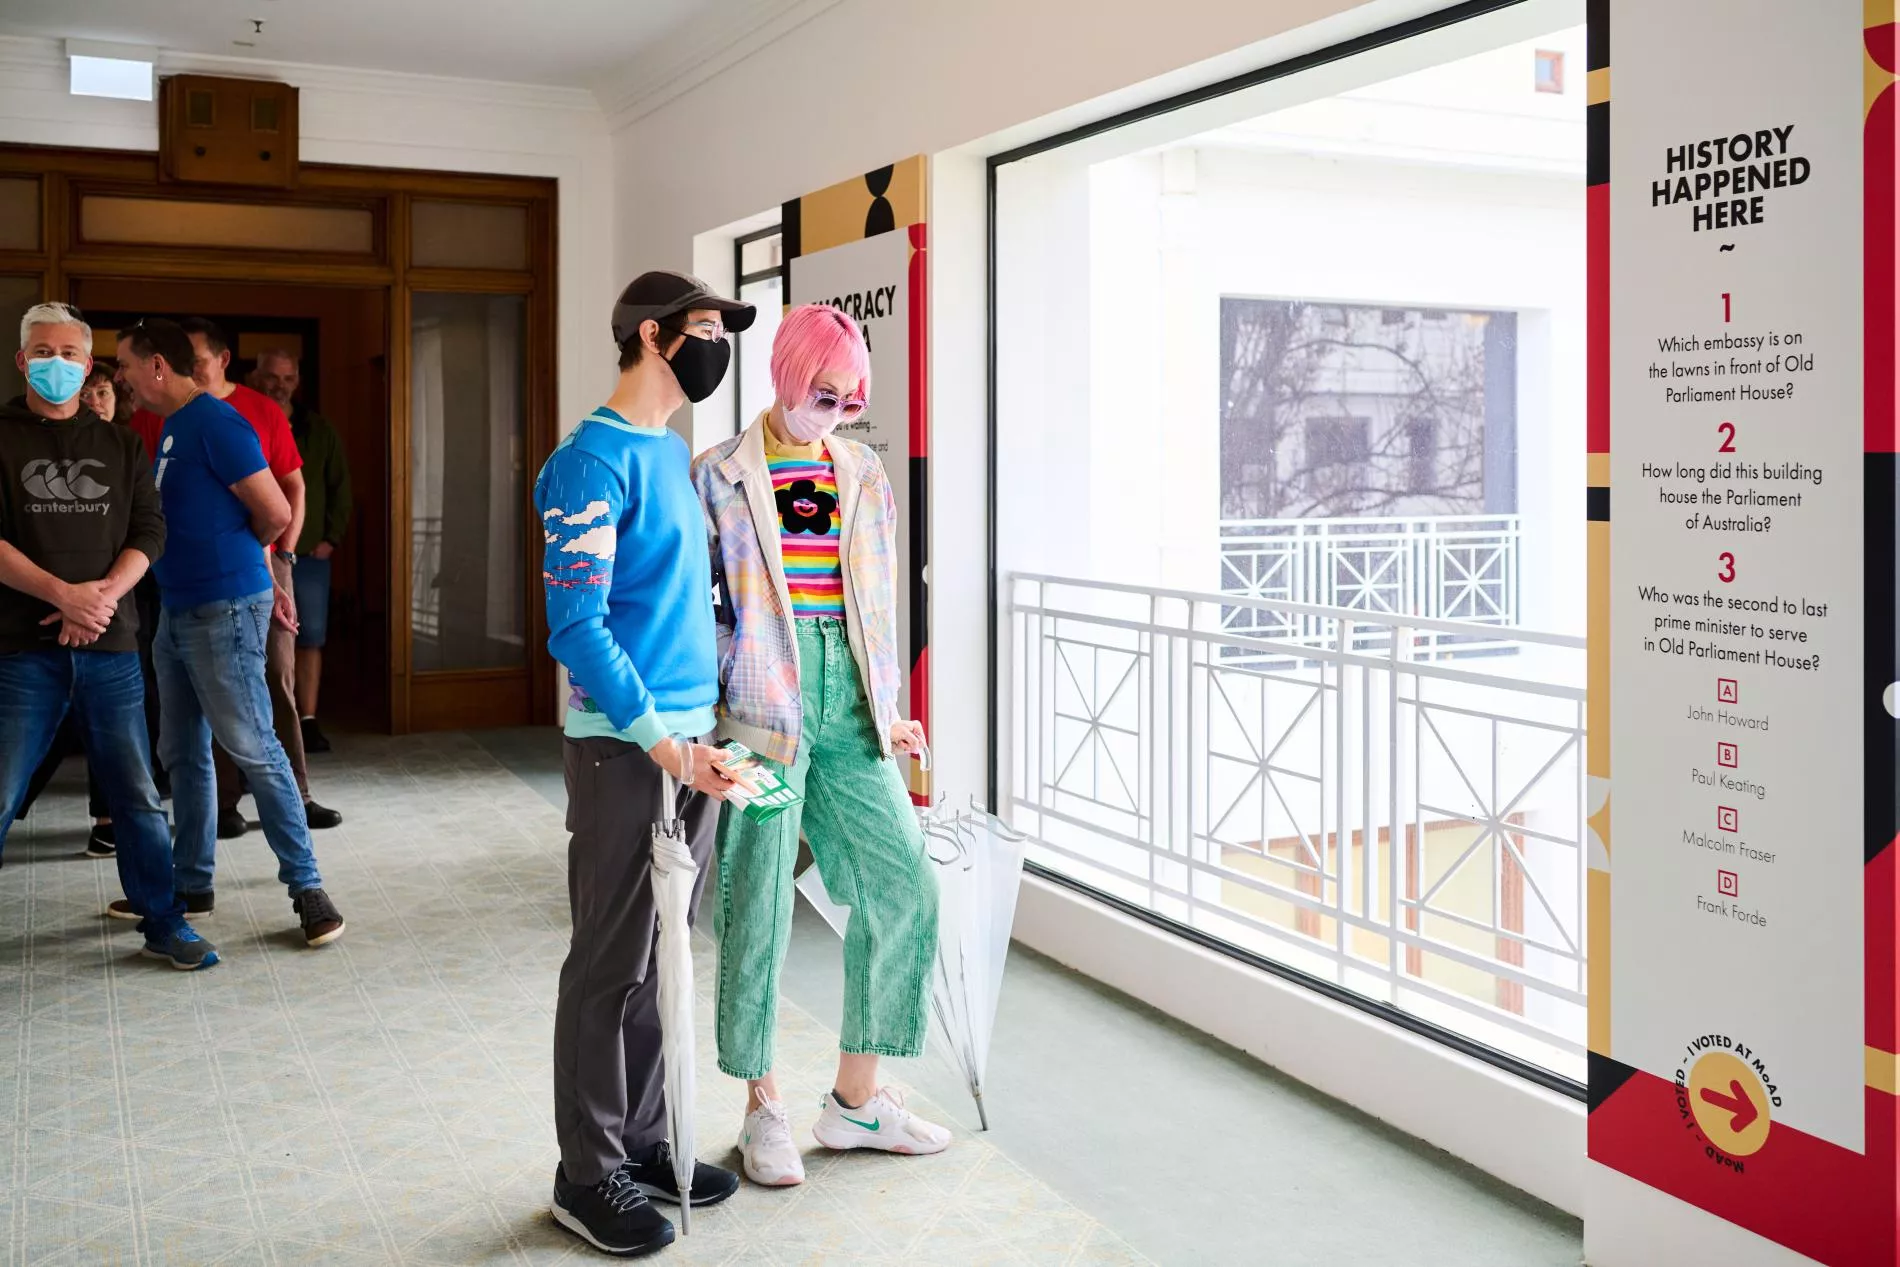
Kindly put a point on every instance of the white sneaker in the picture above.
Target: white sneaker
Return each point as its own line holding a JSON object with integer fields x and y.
{"x": 882, "y": 1123}
{"x": 765, "y": 1142}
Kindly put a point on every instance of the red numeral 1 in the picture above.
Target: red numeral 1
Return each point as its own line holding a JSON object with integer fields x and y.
{"x": 1725, "y": 307}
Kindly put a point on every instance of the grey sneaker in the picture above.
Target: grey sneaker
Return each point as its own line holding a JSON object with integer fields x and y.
{"x": 322, "y": 922}
{"x": 183, "y": 950}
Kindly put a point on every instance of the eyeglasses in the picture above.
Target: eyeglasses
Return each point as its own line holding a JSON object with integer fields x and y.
{"x": 711, "y": 331}
{"x": 824, "y": 401}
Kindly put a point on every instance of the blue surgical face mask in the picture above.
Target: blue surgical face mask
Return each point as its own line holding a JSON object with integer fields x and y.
{"x": 55, "y": 379}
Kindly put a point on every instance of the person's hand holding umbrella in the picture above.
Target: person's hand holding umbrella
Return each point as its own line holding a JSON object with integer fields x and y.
{"x": 696, "y": 766}
{"x": 699, "y": 767}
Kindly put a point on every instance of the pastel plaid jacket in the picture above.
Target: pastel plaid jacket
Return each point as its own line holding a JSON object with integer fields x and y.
{"x": 759, "y": 702}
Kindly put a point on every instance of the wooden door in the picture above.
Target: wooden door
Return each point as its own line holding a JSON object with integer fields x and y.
{"x": 443, "y": 582}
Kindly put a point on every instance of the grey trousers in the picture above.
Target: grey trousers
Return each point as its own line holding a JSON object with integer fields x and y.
{"x": 609, "y": 1084}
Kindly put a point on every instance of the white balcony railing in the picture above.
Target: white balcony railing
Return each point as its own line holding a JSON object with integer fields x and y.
{"x": 1399, "y": 826}
{"x": 1461, "y": 568}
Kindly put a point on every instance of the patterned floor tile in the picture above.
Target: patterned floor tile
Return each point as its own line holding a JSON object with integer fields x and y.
{"x": 58, "y": 1230}
{"x": 388, "y": 1101}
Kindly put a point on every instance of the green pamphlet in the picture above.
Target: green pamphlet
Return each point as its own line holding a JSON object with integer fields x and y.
{"x": 773, "y": 797}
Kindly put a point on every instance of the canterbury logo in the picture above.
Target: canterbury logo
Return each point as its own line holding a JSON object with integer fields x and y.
{"x": 64, "y": 488}
{"x": 52, "y": 480}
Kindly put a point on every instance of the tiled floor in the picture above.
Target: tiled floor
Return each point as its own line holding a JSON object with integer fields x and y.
{"x": 386, "y": 1100}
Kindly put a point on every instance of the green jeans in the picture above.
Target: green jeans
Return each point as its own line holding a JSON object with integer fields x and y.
{"x": 869, "y": 849}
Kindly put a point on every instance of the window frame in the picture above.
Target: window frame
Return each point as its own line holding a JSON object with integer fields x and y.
{"x": 742, "y": 279}
{"x": 1346, "y": 49}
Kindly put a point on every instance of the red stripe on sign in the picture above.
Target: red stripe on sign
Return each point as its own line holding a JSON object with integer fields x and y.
{"x": 1814, "y": 1197}
{"x": 1883, "y": 332}
{"x": 919, "y": 345}
{"x": 919, "y": 451}
{"x": 1597, "y": 300}
{"x": 1882, "y": 877}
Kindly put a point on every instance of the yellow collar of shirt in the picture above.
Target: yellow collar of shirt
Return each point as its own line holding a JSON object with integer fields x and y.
{"x": 775, "y": 448}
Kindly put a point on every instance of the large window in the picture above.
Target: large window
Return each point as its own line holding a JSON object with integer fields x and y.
{"x": 758, "y": 263}
{"x": 1289, "y": 452}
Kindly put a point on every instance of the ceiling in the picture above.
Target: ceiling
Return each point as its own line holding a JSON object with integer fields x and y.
{"x": 561, "y": 42}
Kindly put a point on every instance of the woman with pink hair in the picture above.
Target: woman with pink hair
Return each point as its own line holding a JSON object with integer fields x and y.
{"x": 803, "y": 531}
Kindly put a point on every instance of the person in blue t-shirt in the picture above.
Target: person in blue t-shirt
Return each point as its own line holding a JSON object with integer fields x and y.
{"x": 628, "y": 578}
{"x": 221, "y": 505}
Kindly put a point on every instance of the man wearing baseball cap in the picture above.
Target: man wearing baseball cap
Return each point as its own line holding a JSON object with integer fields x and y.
{"x": 629, "y": 595}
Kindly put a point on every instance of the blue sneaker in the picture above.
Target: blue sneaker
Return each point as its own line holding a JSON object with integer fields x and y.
{"x": 183, "y": 950}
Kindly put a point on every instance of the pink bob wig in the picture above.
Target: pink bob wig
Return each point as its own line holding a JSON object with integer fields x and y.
{"x": 814, "y": 340}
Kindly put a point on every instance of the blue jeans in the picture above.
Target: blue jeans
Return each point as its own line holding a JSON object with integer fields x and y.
{"x": 105, "y": 691}
{"x": 210, "y": 662}
{"x": 310, "y": 584}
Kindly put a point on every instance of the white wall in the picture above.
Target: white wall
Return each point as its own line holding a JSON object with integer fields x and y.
{"x": 867, "y": 82}
{"x": 376, "y": 119}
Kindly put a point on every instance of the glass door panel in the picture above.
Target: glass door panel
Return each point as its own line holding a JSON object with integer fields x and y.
{"x": 467, "y": 451}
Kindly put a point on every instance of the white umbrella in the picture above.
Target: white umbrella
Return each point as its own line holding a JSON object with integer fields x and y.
{"x": 674, "y": 874}
{"x": 979, "y": 873}
{"x": 977, "y": 914}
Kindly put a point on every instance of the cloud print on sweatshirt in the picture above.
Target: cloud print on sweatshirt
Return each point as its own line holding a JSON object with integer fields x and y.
{"x": 593, "y": 511}
{"x": 597, "y": 541}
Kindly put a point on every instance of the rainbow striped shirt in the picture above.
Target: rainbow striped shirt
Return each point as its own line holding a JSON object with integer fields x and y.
{"x": 806, "y": 490}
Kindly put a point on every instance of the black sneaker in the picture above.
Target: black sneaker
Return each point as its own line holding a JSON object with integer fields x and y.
{"x": 101, "y": 844}
{"x": 613, "y": 1216}
{"x": 321, "y": 817}
{"x": 653, "y": 1175}
{"x": 231, "y": 824}
{"x": 197, "y": 905}
{"x": 322, "y": 923}
{"x": 314, "y": 739}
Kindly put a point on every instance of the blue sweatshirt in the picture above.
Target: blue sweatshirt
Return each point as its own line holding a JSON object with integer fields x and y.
{"x": 629, "y": 582}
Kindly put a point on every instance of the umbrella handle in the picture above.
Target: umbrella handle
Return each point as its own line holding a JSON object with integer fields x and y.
{"x": 687, "y": 758}
{"x": 669, "y": 786}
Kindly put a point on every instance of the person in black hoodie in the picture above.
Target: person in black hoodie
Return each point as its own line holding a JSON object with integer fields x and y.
{"x": 79, "y": 525}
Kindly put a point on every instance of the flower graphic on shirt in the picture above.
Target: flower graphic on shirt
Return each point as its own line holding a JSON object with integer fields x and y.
{"x": 802, "y": 508}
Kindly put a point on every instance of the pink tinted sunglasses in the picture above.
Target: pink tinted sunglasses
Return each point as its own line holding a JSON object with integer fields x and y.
{"x": 826, "y": 401}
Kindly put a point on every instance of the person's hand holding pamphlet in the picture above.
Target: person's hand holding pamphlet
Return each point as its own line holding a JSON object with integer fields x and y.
{"x": 773, "y": 796}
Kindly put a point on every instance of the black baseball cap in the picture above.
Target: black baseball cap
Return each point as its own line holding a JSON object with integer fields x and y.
{"x": 661, "y": 294}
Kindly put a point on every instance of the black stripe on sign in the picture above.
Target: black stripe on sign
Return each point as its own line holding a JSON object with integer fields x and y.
{"x": 1882, "y": 624}
{"x": 1598, "y": 505}
{"x": 791, "y": 222}
{"x": 1596, "y": 16}
{"x": 1597, "y": 144}
{"x": 1606, "y": 1079}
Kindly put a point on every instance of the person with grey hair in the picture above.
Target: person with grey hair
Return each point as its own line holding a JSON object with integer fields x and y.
{"x": 79, "y": 525}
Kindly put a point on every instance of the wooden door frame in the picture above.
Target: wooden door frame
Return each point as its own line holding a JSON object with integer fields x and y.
{"x": 67, "y": 175}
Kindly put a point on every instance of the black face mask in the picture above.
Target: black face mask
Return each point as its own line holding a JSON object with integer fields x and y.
{"x": 699, "y": 365}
